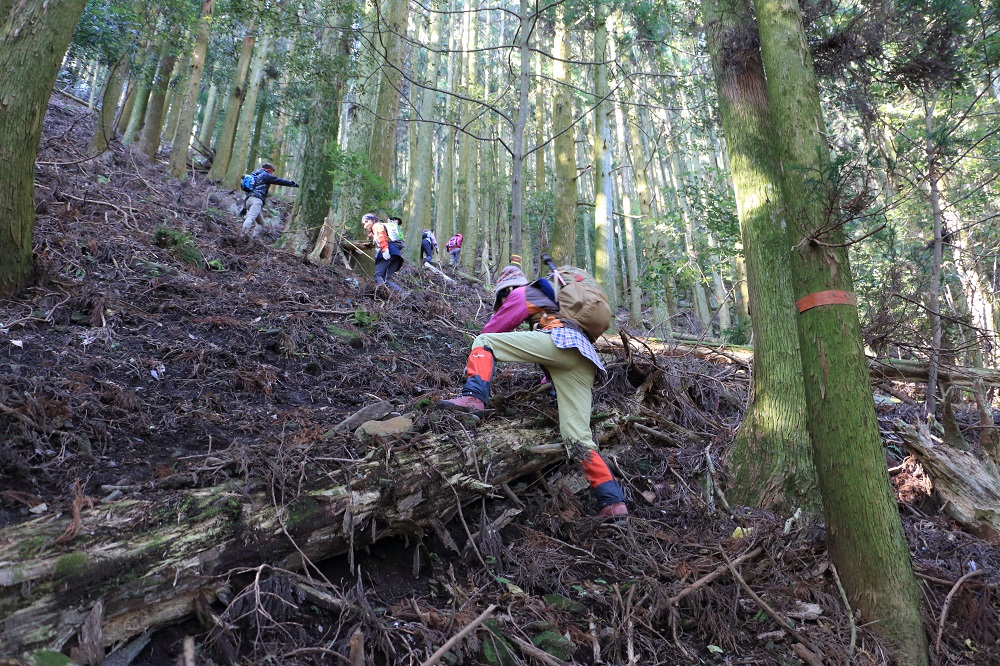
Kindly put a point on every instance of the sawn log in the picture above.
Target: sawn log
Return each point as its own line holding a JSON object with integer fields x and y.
{"x": 148, "y": 559}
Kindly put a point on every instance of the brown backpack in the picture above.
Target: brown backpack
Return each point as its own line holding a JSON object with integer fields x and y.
{"x": 583, "y": 300}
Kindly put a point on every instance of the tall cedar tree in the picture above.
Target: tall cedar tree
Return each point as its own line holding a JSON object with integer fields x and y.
{"x": 865, "y": 534}
{"x": 34, "y": 35}
{"x": 771, "y": 457}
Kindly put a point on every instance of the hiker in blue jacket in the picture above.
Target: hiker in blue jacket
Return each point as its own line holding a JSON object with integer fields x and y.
{"x": 263, "y": 179}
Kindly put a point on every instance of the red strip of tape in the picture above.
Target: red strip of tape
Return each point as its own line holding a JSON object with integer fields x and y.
{"x": 829, "y": 297}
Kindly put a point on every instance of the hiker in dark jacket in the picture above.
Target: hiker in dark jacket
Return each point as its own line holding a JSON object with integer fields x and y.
{"x": 263, "y": 178}
{"x": 428, "y": 247}
{"x": 566, "y": 354}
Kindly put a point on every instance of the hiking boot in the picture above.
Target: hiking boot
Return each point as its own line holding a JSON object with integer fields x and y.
{"x": 614, "y": 513}
{"x": 465, "y": 403}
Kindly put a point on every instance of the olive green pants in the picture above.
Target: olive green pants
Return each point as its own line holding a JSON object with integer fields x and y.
{"x": 572, "y": 376}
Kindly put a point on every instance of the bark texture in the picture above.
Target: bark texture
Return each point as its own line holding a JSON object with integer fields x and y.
{"x": 148, "y": 560}
{"x": 562, "y": 245}
{"x": 865, "y": 534}
{"x": 771, "y": 457}
{"x": 149, "y": 141}
{"x": 237, "y": 91}
{"x": 189, "y": 101}
{"x": 33, "y": 40}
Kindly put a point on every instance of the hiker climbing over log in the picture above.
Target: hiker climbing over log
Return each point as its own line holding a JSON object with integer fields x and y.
{"x": 562, "y": 345}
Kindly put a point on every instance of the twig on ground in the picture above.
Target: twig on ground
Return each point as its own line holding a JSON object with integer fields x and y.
{"x": 806, "y": 655}
{"x": 705, "y": 580}
{"x": 947, "y": 605}
{"x": 443, "y": 650}
{"x": 539, "y": 654}
{"x": 850, "y": 613}
{"x": 782, "y": 622}
{"x": 655, "y": 433}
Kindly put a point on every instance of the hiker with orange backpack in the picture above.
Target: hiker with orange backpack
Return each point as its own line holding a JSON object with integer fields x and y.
{"x": 388, "y": 248}
{"x": 563, "y": 346}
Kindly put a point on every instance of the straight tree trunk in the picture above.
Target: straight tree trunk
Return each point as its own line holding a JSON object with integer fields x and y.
{"x": 605, "y": 258}
{"x": 934, "y": 293}
{"x": 517, "y": 144}
{"x": 152, "y": 127}
{"x": 444, "y": 223}
{"x": 562, "y": 243}
{"x": 189, "y": 100}
{"x": 105, "y": 130}
{"x": 540, "y": 88}
{"x": 241, "y": 140}
{"x": 175, "y": 100}
{"x": 771, "y": 456}
{"x": 253, "y": 156}
{"x": 209, "y": 117}
{"x": 141, "y": 101}
{"x": 316, "y": 188}
{"x": 33, "y": 39}
{"x": 865, "y": 535}
{"x": 468, "y": 153}
{"x": 234, "y": 102}
{"x": 382, "y": 150}
{"x": 422, "y": 179}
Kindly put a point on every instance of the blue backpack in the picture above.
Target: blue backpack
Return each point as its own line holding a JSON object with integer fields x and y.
{"x": 248, "y": 183}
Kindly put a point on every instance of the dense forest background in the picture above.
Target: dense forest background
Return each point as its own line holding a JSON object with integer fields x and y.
{"x": 812, "y": 184}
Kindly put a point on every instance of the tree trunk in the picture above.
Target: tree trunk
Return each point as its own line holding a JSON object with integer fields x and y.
{"x": 605, "y": 259}
{"x": 209, "y": 116}
{"x": 316, "y": 188}
{"x": 562, "y": 243}
{"x": 771, "y": 456}
{"x": 175, "y": 101}
{"x": 253, "y": 155}
{"x": 152, "y": 127}
{"x": 105, "y": 130}
{"x": 234, "y": 101}
{"x": 382, "y": 150}
{"x": 517, "y": 144}
{"x": 241, "y": 140}
{"x": 149, "y": 559}
{"x": 133, "y": 122}
{"x": 444, "y": 221}
{"x": 422, "y": 179}
{"x": 189, "y": 100}
{"x": 934, "y": 292}
{"x": 468, "y": 167}
{"x": 33, "y": 39}
{"x": 865, "y": 534}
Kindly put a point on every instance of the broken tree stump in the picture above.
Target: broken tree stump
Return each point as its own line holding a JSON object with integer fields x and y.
{"x": 969, "y": 486}
{"x": 149, "y": 560}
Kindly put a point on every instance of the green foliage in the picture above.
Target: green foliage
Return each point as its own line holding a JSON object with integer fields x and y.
{"x": 180, "y": 244}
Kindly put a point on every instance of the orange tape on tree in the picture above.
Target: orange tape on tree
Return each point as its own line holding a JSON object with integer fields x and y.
{"x": 829, "y": 297}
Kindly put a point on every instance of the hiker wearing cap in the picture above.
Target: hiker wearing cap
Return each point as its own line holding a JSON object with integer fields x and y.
{"x": 388, "y": 248}
{"x": 257, "y": 185}
{"x": 566, "y": 354}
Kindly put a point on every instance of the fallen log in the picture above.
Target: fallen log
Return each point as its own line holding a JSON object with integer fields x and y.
{"x": 968, "y": 486}
{"x": 150, "y": 560}
{"x": 882, "y": 369}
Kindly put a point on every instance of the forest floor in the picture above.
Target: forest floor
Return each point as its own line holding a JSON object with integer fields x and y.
{"x": 156, "y": 343}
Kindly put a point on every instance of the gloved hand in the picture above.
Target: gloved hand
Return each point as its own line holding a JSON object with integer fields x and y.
{"x": 385, "y": 254}
{"x": 294, "y": 184}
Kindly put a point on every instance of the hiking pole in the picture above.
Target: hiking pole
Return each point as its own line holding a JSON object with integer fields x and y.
{"x": 552, "y": 266}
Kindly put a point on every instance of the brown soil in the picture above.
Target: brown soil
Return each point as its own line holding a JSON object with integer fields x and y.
{"x": 133, "y": 372}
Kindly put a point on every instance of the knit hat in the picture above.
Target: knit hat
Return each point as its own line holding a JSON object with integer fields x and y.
{"x": 510, "y": 276}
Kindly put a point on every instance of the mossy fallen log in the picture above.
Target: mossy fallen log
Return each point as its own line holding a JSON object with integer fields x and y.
{"x": 149, "y": 559}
